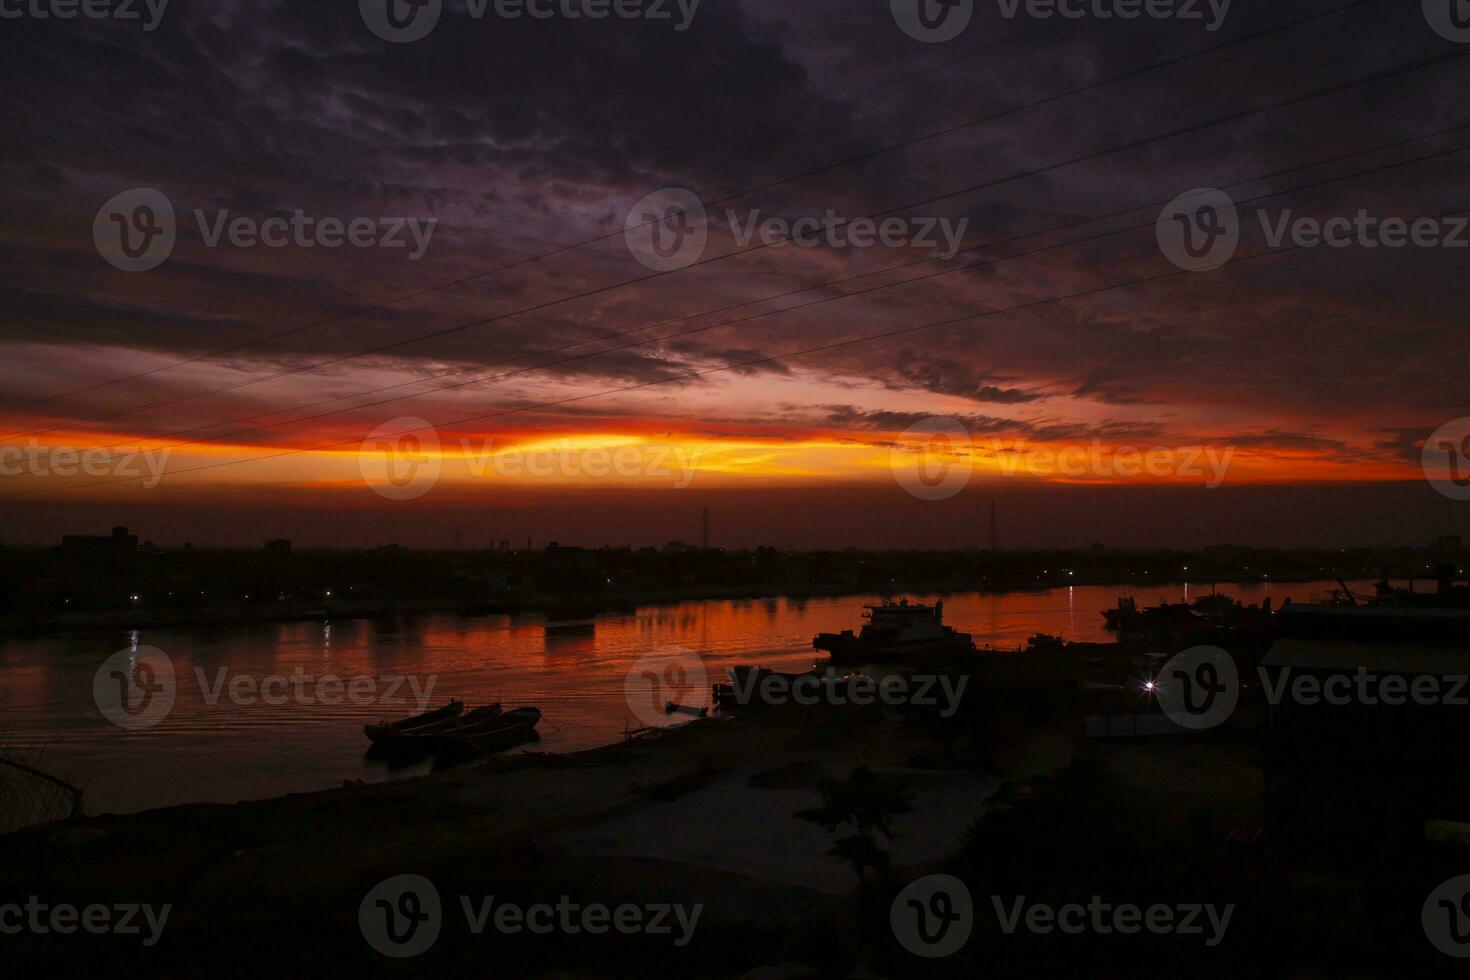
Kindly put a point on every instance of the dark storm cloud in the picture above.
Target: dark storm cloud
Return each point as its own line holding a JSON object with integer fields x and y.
{"x": 946, "y": 375}
{"x": 1404, "y": 444}
{"x": 1281, "y": 439}
{"x": 1046, "y": 430}
{"x": 525, "y": 136}
{"x": 245, "y": 91}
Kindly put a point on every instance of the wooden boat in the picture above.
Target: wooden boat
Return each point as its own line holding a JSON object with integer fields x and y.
{"x": 489, "y": 733}
{"x": 423, "y": 739}
{"x": 385, "y": 731}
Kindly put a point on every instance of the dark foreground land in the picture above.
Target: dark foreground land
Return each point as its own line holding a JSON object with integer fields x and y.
{"x": 1008, "y": 797}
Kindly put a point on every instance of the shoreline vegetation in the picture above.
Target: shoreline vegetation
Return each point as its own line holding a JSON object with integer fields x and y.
{"x": 114, "y": 583}
{"x": 553, "y": 606}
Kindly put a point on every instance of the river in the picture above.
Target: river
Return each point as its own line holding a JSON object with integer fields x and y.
{"x": 250, "y": 716}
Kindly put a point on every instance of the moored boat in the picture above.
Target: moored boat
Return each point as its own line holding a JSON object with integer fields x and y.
{"x": 423, "y": 739}
{"x": 1124, "y": 617}
{"x": 386, "y": 732}
{"x": 898, "y": 632}
{"x": 488, "y": 734}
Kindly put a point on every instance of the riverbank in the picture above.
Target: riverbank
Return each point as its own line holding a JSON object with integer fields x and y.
{"x": 551, "y": 605}
{"x": 703, "y": 814}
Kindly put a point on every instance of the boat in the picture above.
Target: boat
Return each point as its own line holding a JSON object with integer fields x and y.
{"x": 1216, "y": 605}
{"x": 743, "y": 689}
{"x": 1124, "y": 615}
{"x": 1128, "y": 618}
{"x": 386, "y": 732}
{"x": 420, "y": 739}
{"x": 897, "y": 631}
{"x": 488, "y": 734}
{"x": 1446, "y": 594}
{"x": 1212, "y": 609}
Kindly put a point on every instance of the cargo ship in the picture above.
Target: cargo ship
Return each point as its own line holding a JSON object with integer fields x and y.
{"x": 897, "y": 632}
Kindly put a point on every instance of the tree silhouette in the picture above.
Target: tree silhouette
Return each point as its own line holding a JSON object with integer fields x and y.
{"x": 866, "y": 804}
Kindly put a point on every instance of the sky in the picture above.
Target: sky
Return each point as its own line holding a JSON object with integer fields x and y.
{"x": 502, "y": 348}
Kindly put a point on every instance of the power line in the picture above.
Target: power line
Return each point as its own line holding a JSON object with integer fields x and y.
{"x": 868, "y": 155}
{"x": 979, "y": 246}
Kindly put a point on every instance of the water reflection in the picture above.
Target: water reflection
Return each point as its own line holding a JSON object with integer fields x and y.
{"x": 570, "y": 664}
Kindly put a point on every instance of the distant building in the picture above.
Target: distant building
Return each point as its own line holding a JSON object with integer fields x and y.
{"x": 559, "y": 560}
{"x": 116, "y": 546}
